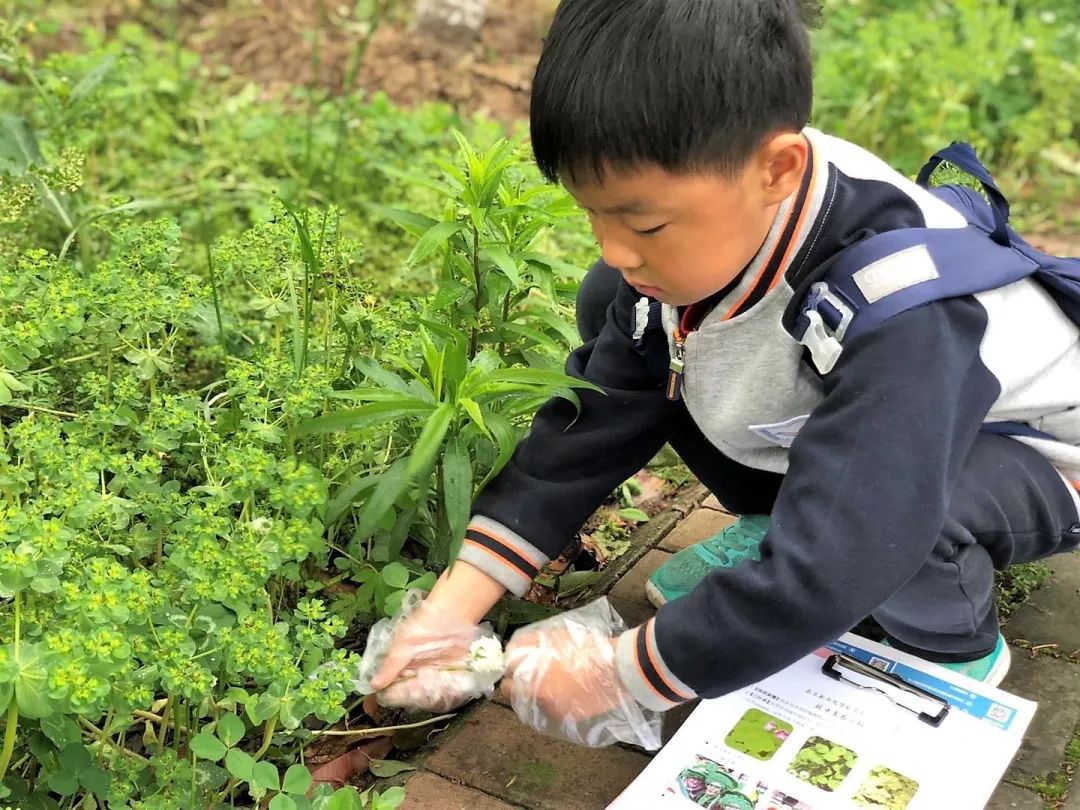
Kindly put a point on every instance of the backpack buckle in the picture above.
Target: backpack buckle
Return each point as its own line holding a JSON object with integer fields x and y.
{"x": 823, "y": 340}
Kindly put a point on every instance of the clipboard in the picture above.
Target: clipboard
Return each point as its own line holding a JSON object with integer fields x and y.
{"x": 836, "y": 664}
{"x": 835, "y": 729}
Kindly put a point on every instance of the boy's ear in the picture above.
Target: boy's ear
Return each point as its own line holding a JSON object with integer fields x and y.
{"x": 782, "y": 162}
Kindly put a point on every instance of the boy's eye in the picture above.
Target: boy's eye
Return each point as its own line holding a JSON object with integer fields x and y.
{"x": 651, "y": 231}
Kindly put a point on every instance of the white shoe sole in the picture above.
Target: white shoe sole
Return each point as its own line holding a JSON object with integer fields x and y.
{"x": 652, "y": 593}
{"x": 1001, "y": 667}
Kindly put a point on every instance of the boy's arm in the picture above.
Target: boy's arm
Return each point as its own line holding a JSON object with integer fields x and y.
{"x": 571, "y": 461}
{"x": 866, "y": 495}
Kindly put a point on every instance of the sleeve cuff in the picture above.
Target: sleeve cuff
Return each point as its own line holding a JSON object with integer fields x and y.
{"x": 502, "y": 554}
{"x": 644, "y": 673}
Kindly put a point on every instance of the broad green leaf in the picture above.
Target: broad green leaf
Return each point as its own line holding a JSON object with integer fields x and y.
{"x": 551, "y": 319}
{"x": 473, "y": 410}
{"x": 506, "y": 438}
{"x": 32, "y": 667}
{"x": 424, "y": 583}
{"x": 435, "y": 237}
{"x": 530, "y": 332}
{"x": 347, "y": 495}
{"x": 207, "y": 746}
{"x": 5, "y": 393}
{"x": 457, "y": 491}
{"x": 533, "y": 376}
{"x": 90, "y": 82}
{"x": 60, "y": 729}
{"x": 345, "y": 798}
{"x": 282, "y": 802}
{"x": 411, "y": 222}
{"x": 571, "y": 270}
{"x": 502, "y": 259}
{"x": 18, "y": 145}
{"x": 264, "y": 776}
{"x": 297, "y": 779}
{"x": 385, "y": 768}
{"x": 66, "y": 783}
{"x": 430, "y": 441}
{"x": 96, "y": 780}
{"x": 12, "y": 383}
{"x": 45, "y": 584}
{"x": 631, "y": 513}
{"x": 75, "y": 758}
{"x": 391, "y": 484}
{"x": 389, "y": 799}
{"x": 384, "y": 377}
{"x": 230, "y": 729}
{"x": 396, "y": 575}
{"x": 372, "y": 394}
{"x": 240, "y": 764}
{"x": 377, "y": 413}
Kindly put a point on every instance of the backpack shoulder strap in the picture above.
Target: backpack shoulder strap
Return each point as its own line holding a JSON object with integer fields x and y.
{"x": 893, "y": 272}
{"x": 884, "y": 275}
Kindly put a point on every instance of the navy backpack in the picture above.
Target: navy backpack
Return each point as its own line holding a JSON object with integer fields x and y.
{"x": 850, "y": 299}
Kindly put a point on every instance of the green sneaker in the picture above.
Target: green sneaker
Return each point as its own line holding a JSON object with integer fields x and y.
{"x": 681, "y": 574}
{"x": 990, "y": 669}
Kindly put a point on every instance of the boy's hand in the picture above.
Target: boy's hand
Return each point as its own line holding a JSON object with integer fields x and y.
{"x": 420, "y": 659}
{"x": 417, "y": 659}
{"x": 562, "y": 680}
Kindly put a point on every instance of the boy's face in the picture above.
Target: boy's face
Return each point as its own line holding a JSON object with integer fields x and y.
{"x": 679, "y": 238}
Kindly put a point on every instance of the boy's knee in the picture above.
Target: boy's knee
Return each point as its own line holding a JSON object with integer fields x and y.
{"x": 595, "y": 295}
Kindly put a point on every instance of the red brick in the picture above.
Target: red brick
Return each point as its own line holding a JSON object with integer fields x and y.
{"x": 631, "y": 587}
{"x": 698, "y": 525}
{"x": 712, "y": 503}
{"x": 496, "y": 754}
{"x": 426, "y": 791}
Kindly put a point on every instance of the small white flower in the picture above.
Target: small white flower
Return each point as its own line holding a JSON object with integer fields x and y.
{"x": 486, "y": 656}
{"x": 1028, "y": 43}
{"x": 261, "y": 525}
{"x": 1048, "y": 17}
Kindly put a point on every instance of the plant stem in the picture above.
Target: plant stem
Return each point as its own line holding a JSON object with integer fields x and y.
{"x": 478, "y": 293}
{"x": 9, "y": 736}
{"x": 268, "y": 736}
{"x": 381, "y": 732}
{"x": 95, "y": 732}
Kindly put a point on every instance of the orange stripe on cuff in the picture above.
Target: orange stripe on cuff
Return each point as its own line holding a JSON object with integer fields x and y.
{"x": 502, "y": 541}
{"x": 654, "y": 654}
{"x": 641, "y": 670}
{"x": 517, "y": 571}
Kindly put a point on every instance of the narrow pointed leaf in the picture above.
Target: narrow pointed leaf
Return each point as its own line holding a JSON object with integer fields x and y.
{"x": 457, "y": 487}
{"x": 435, "y": 237}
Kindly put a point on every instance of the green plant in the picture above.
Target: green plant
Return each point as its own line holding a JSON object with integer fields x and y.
{"x": 822, "y": 763}
{"x": 460, "y": 410}
{"x": 885, "y": 788}
{"x": 905, "y": 79}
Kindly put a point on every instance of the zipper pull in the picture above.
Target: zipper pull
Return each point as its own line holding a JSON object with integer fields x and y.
{"x": 678, "y": 365}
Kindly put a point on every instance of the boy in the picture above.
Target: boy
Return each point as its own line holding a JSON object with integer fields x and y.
{"x": 873, "y": 488}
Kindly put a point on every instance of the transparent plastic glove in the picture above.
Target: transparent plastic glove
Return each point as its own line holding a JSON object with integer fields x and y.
{"x": 562, "y": 680}
{"x": 426, "y": 659}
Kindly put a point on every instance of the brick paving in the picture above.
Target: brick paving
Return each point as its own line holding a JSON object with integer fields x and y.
{"x": 491, "y": 762}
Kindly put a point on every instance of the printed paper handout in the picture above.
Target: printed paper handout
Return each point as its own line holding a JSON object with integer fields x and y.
{"x": 856, "y": 725}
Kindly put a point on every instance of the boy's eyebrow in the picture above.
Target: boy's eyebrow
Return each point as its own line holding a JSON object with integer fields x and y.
{"x": 630, "y": 207}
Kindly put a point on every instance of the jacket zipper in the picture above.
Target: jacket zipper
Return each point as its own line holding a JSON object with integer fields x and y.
{"x": 678, "y": 365}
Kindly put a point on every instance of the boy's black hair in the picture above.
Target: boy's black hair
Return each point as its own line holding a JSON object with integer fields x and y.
{"x": 684, "y": 84}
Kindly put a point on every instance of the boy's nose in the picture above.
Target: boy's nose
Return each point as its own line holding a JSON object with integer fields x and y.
{"x": 619, "y": 256}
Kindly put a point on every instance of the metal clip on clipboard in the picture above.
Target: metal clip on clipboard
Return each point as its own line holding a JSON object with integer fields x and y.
{"x": 835, "y": 663}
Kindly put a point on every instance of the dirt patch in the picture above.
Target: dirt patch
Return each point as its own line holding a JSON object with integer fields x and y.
{"x": 1058, "y": 244}
{"x": 280, "y": 44}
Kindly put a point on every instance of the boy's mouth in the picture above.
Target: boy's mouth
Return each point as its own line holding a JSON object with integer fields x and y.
{"x": 648, "y": 292}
